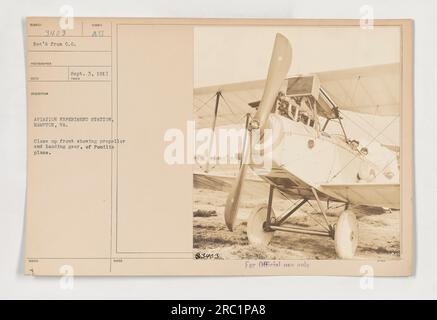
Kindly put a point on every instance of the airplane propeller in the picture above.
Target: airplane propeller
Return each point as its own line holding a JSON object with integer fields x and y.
{"x": 279, "y": 65}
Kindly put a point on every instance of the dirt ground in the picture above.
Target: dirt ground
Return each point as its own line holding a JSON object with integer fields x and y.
{"x": 379, "y": 233}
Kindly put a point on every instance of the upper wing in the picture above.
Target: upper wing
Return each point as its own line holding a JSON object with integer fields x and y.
{"x": 373, "y": 90}
{"x": 233, "y": 102}
{"x": 375, "y": 195}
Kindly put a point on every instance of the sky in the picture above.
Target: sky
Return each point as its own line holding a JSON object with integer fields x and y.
{"x": 234, "y": 54}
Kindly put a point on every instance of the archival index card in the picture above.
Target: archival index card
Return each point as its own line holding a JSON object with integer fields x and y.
{"x": 142, "y": 136}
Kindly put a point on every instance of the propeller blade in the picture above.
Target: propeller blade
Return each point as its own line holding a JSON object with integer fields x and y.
{"x": 279, "y": 65}
{"x": 234, "y": 198}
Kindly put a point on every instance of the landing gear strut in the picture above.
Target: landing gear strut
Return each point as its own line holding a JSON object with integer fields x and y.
{"x": 262, "y": 224}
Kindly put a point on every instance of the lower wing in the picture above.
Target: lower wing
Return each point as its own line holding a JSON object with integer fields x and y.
{"x": 375, "y": 195}
{"x": 368, "y": 197}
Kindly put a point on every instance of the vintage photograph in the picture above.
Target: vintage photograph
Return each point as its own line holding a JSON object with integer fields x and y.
{"x": 297, "y": 142}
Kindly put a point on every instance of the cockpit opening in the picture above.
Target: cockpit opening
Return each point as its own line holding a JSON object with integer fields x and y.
{"x": 299, "y": 109}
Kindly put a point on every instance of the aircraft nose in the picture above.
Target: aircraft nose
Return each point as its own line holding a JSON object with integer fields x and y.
{"x": 276, "y": 127}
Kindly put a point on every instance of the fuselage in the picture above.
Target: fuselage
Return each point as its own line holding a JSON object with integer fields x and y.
{"x": 317, "y": 157}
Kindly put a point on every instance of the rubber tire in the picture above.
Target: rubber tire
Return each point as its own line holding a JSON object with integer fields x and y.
{"x": 255, "y": 226}
{"x": 346, "y": 235}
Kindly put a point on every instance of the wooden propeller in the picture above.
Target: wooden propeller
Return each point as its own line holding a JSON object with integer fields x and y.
{"x": 279, "y": 65}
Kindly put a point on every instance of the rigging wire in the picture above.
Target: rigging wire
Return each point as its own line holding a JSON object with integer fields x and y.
{"x": 373, "y": 139}
{"x": 386, "y": 166}
{"x": 372, "y": 125}
{"x": 314, "y": 219}
{"x": 229, "y": 108}
{"x": 361, "y": 127}
{"x": 227, "y": 104}
{"x": 205, "y": 103}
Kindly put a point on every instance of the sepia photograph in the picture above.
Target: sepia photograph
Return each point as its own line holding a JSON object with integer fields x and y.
{"x": 297, "y": 143}
{"x": 218, "y": 158}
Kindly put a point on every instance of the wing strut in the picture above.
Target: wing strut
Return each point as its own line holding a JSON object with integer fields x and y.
{"x": 336, "y": 112}
{"x": 245, "y": 138}
{"x": 214, "y": 122}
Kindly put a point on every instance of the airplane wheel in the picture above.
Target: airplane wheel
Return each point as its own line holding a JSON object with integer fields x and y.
{"x": 346, "y": 235}
{"x": 255, "y": 226}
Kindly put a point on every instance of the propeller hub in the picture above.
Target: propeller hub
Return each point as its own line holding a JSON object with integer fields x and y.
{"x": 254, "y": 124}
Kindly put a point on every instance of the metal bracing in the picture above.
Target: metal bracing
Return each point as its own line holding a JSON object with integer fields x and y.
{"x": 269, "y": 207}
{"x": 278, "y": 224}
{"x": 301, "y": 230}
{"x": 319, "y": 203}
{"x": 286, "y": 215}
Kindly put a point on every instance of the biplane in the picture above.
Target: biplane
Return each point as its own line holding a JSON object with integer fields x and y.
{"x": 309, "y": 163}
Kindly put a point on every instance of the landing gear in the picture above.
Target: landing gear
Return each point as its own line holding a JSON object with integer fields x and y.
{"x": 262, "y": 224}
{"x": 256, "y": 226}
{"x": 346, "y": 235}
